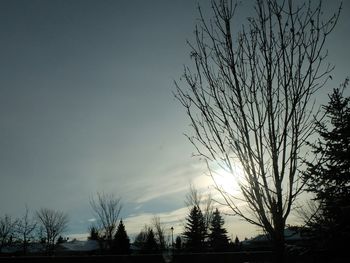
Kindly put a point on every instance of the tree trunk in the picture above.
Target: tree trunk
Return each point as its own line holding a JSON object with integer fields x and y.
{"x": 278, "y": 243}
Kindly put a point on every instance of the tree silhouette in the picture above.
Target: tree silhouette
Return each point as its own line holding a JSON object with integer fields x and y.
{"x": 25, "y": 230}
{"x": 195, "y": 231}
{"x": 7, "y": 230}
{"x": 151, "y": 245}
{"x": 53, "y": 223}
{"x": 237, "y": 241}
{"x": 107, "y": 208}
{"x": 146, "y": 241}
{"x": 249, "y": 97}
{"x": 93, "y": 233}
{"x": 329, "y": 176}
{"x": 218, "y": 236}
{"x": 159, "y": 232}
{"x": 121, "y": 243}
{"x": 204, "y": 202}
{"x": 178, "y": 243}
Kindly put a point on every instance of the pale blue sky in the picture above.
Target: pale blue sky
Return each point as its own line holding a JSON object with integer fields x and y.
{"x": 86, "y": 105}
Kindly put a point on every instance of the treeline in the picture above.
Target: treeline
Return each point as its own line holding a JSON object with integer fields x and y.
{"x": 203, "y": 231}
{"x": 45, "y": 228}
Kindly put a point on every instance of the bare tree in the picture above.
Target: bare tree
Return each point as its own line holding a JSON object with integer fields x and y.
{"x": 159, "y": 232}
{"x": 107, "y": 209}
{"x": 53, "y": 223}
{"x": 204, "y": 202}
{"x": 7, "y": 230}
{"x": 250, "y": 99}
{"x": 25, "y": 230}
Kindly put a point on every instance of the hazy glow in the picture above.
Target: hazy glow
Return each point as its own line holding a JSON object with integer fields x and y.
{"x": 226, "y": 181}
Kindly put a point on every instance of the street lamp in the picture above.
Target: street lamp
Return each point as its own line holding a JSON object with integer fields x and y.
{"x": 172, "y": 237}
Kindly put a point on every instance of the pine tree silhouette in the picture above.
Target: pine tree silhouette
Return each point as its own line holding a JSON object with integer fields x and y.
{"x": 195, "y": 231}
{"x": 121, "y": 242}
{"x": 151, "y": 245}
{"x": 218, "y": 237}
{"x": 329, "y": 178}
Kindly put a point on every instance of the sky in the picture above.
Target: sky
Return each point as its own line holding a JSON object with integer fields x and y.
{"x": 86, "y": 106}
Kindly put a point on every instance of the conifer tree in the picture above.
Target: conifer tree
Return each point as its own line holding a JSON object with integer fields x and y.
{"x": 151, "y": 245}
{"x": 218, "y": 236}
{"x": 195, "y": 230}
{"x": 121, "y": 244}
{"x": 178, "y": 243}
{"x": 329, "y": 177}
{"x": 237, "y": 241}
{"x": 94, "y": 235}
{"x": 146, "y": 241}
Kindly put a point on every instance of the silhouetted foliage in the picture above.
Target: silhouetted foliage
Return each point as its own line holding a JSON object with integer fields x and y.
{"x": 61, "y": 240}
{"x": 178, "y": 243}
{"x": 107, "y": 208}
{"x": 121, "y": 242}
{"x": 195, "y": 231}
{"x": 329, "y": 176}
{"x": 93, "y": 233}
{"x": 204, "y": 202}
{"x": 151, "y": 245}
{"x": 159, "y": 232}
{"x": 249, "y": 97}
{"x": 146, "y": 241}
{"x": 235, "y": 245}
{"x": 25, "y": 230}
{"x": 53, "y": 223}
{"x": 237, "y": 241}
{"x": 218, "y": 239}
{"x": 7, "y": 230}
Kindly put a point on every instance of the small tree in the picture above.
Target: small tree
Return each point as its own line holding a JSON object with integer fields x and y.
{"x": 121, "y": 242}
{"x": 151, "y": 245}
{"x": 204, "y": 202}
{"x": 25, "y": 230}
{"x": 218, "y": 239}
{"x": 7, "y": 230}
{"x": 53, "y": 223}
{"x": 159, "y": 232}
{"x": 146, "y": 241}
{"x": 107, "y": 208}
{"x": 195, "y": 231}
{"x": 237, "y": 241}
{"x": 93, "y": 233}
{"x": 178, "y": 243}
{"x": 61, "y": 240}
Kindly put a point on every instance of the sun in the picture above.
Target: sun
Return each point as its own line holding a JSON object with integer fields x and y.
{"x": 227, "y": 181}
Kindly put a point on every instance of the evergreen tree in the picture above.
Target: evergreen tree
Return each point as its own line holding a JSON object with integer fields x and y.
{"x": 178, "y": 243}
{"x": 217, "y": 238}
{"x": 121, "y": 242}
{"x": 237, "y": 241}
{"x": 146, "y": 241}
{"x": 94, "y": 235}
{"x": 195, "y": 231}
{"x": 151, "y": 245}
{"x": 329, "y": 177}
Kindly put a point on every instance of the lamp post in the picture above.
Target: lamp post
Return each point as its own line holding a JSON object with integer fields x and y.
{"x": 172, "y": 238}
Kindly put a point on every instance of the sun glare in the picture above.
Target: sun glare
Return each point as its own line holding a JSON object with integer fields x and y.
{"x": 227, "y": 181}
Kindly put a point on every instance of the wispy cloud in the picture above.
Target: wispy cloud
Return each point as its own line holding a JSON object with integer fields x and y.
{"x": 135, "y": 223}
{"x": 168, "y": 180}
